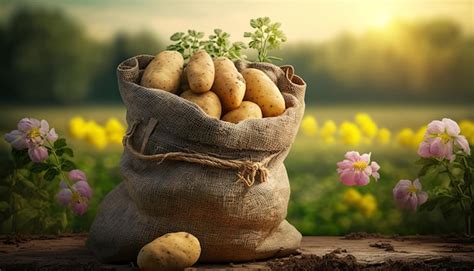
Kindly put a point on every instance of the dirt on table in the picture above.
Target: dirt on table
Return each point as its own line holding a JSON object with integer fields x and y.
{"x": 68, "y": 252}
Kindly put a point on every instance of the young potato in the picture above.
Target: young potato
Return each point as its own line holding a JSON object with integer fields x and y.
{"x": 247, "y": 110}
{"x": 172, "y": 251}
{"x": 200, "y": 72}
{"x": 262, "y": 91}
{"x": 229, "y": 84}
{"x": 164, "y": 71}
{"x": 207, "y": 101}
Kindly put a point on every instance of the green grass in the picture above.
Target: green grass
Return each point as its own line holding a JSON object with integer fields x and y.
{"x": 316, "y": 205}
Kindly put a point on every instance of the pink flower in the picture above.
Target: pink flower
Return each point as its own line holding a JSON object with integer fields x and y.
{"x": 76, "y": 196}
{"x": 38, "y": 153}
{"x": 408, "y": 195}
{"x": 442, "y": 140}
{"x": 31, "y": 134}
{"x": 79, "y": 207}
{"x": 356, "y": 169}
{"x": 77, "y": 175}
{"x": 64, "y": 196}
{"x": 83, "y": 188}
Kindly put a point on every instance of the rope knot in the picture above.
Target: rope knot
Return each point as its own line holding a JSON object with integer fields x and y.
{"x": 250, "y": 171}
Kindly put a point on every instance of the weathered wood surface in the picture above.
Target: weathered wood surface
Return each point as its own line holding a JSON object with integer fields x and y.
{"x": 346, "y": 253}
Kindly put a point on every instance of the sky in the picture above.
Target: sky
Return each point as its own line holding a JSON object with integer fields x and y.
{"x": 302, "y": 20}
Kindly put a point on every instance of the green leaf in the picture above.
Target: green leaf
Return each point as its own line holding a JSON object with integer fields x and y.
{"x": 4, "y": 206}
{"x": 39, "y": 167}
{"x": 60, "y": 143}
{"x": 67, "y": 165}
{"x": 177, "y": 36}
{"x": 27, "y": 183}
{"x": 20, "y": 157}
{"x": 51, "y": 174}
{"x": 253, "y": 23}
{"x": 68, "y": 151}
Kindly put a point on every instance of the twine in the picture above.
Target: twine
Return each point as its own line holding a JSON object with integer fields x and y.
{"x": 247, "y": 171}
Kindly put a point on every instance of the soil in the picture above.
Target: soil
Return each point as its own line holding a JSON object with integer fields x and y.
{"x": 358, "y": 251}
{"x": 383, "y": 245}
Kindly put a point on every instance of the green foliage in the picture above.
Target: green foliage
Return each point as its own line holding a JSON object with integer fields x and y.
{"x": 458, "y": 192}
{"x": 186, "y": 43}
{"x": 49, "y": 56}
{"x": 267, "y": 36}
{"x": 29, "y": 192}
{"x": 217, "y": 45}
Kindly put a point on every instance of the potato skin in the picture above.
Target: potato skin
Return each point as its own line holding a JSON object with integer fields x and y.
{"x": 200, "y": 72}
{"x": 262, "y": 91}
{"x": 229, "y": 84}
{"x": 246, "y": 110}
{"x": 172, "y": 251}
{"x": 207, "y": 101}
{"x": 164, "y": 71}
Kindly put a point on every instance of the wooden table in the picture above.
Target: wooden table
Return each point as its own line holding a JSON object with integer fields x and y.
{"x": 351, "y": 252}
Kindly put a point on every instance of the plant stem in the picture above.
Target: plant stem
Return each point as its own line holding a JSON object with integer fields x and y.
{"x": 58, "y": 164}
{"x": 460, "y": 195}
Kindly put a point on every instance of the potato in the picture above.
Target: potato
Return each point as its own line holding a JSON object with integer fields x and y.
{"x": 172, "y": 251}
{"x": 262, "y": 91}
{"x": 207, "y": 101}
{"x": 200, "y": 72}
{"x": 246, "y": 110}
{"x": 229, "y": 84}
{"x": 164, "y": 71}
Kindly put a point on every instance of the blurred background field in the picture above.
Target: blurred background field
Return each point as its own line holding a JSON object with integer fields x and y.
{"x": 403, "y": 63}
{"x": 320, "y": 204}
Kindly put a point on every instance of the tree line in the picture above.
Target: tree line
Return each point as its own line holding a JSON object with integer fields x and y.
{"x": 49, "y": 59}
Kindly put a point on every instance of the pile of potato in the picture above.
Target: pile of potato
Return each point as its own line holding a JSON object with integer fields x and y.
{"x": 216, "y": 86}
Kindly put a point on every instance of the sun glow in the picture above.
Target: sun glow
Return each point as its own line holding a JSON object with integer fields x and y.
{"x": 381, "y": 19}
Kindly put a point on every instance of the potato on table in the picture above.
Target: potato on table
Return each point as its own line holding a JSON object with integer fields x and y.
{"x": 262, "y": 91}
{"x": 229, "y": 84}
{"x": 246, "y": 110}
{"x": 200, "y": 72}
{"x": 164, "y": 71}
{"x": 207, "y": 101}
{"x": 172, "y": 251}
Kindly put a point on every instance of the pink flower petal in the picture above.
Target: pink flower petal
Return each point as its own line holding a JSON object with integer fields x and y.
{"x": 417, "y": 184}
{"x": 352, "y": 156}
{"x": 26, "y": 124}
{"x": 64, "y": 196}
{"x": 375, "y": 166}
{"x": 77, "y": 175}
{"x": 44, "y": 128}
{"x": 52, "y": 136}
{"x": 38, "y": 153}
{"x": 361, "y": 178}
{"x": 422, "y": 198}
{"x": 83, "y": 188}
{"x": 452, "y": 128}
{"x": 365, "y": 157}
{"x": 400, "y": 193}
{"x": 412, "y": 202}
{"x": 376, "y": 176}
{"x": 347, "y": 177}
{"x": 62, "y": 184}
{"x": 344, "y": 164}
{"x": 462, "y": 143}
{"x": 17, "y": 139}
{"x": 424, "y": 150}
{"x": 79, "y": 207}
{"x": 435, "y": 127}
{"x": 438, "y": 149}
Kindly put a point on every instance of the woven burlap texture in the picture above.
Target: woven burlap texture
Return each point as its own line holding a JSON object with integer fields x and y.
{"x": 233, "y": 220}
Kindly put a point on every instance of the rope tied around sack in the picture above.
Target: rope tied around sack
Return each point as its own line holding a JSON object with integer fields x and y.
{"x": 247, "y": 171}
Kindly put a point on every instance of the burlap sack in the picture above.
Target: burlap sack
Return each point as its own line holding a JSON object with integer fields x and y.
{"x": 183, "y": 171}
